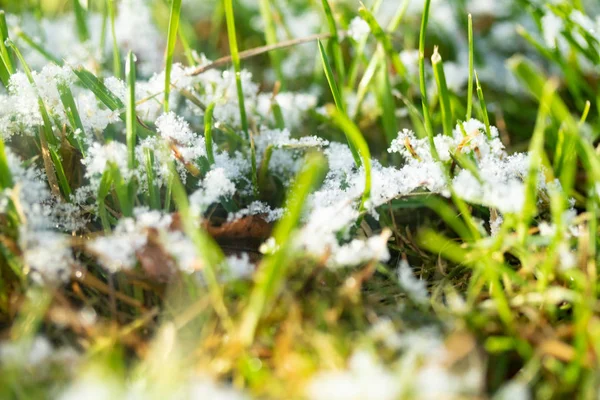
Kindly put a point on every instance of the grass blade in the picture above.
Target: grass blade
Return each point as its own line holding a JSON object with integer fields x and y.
{"x": 211, "y": 254}
{"x": 334, "y": 43}
{"x": 337, "y": 98}
{"x": 68, "y": 102}
{"x": 272, "y": 269}
{"x": 6, "y": 180}
{"x": 358, "y": 141}
{"x": 131, "y": 116}
{"x": 80, "y": 19}
{"x": 486, "y": 118}
{"x": 91, "y": 81}
{"x": 471, "y": 69}
{"x": 443, "y": 93}
{"x": 153, "y": 193}
{"x": 422, "y": 79}
{"x": 235, "y": 57}
{"x": 116, "y": 54}
{"x": 384, "y": 40}
{"x": 271, "y": 38}
{"x": 208, "y": 126}
{"x": 171, "y": 40}
{"x": 7, "y": 57}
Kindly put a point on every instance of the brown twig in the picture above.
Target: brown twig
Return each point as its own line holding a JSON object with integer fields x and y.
{"x": 259, "y": 50}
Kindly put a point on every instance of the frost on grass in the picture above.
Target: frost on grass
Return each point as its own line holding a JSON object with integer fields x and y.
{"x": 336, "y": 230}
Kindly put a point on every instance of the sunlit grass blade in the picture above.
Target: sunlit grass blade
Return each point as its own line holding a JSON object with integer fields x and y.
{"x": 272, "y": 269}
{"x": 235, "y": 57}
{"x": 387, "y": 104}
{"x": 103, "y": 190}
{"x": 131, "y": 122}
{"x": 211, "y": 254}
{"x": 6, "y": 180}
{"x": 122, "y": 190}
{"x": 48, "y": 141}
{"x": 208, "y": 127}
{"x": 536, "y": 149}
{"x": 266, "y": 13}
{"x": 5, "y": 55}
{"x": 384, "y": 40}
{"x": 334, "y": 43}
{"x": 81, "y": 21}
{"x": 443, "y": 93}
{"x": 174, "y": 17}
{"x": 39, "y": 48}
{"x": 484, "y": 111}
{"x": 360, "y": 144}
{"x": 337, "y": 98}
{"x": 131, "y": 114}
{"x": 471, "y": 69}
{"x": 68, "y": 102}
{"x": 112, "y": 15}
{"x": 422, "y": 79}
{"x": 153, "y": 192}
{"x": 91, "y": 82}
{"x": 63, "y": 182}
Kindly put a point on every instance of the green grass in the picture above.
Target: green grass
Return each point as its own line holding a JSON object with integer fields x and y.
{"x": 494, "y": 296}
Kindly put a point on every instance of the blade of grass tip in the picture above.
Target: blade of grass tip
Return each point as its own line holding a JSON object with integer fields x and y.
{"x": 91, "y": 82}
{"x": 334, "y": 43}
{"x": 422, "y": 80}
{"x": 266, "y": 13}
{"x": 443, "y": 93}
{"x": 272, "y": 269}
{"x": 486, "y": 117}
{"x": 383, "y": 39}
{"x": 174, "y": 17}
{"x": 81, "y": 21}
{"x": 536, "y": 148}
{"x": 208, "y": 127}
{"x": 358, "y": 141}
{"x": 210, "y": 253}
{"x": 116, "y": 54}
{"x": 471, "y": 69}
{"x": 337, "y": 98}
{"x": 7, "y": 57}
